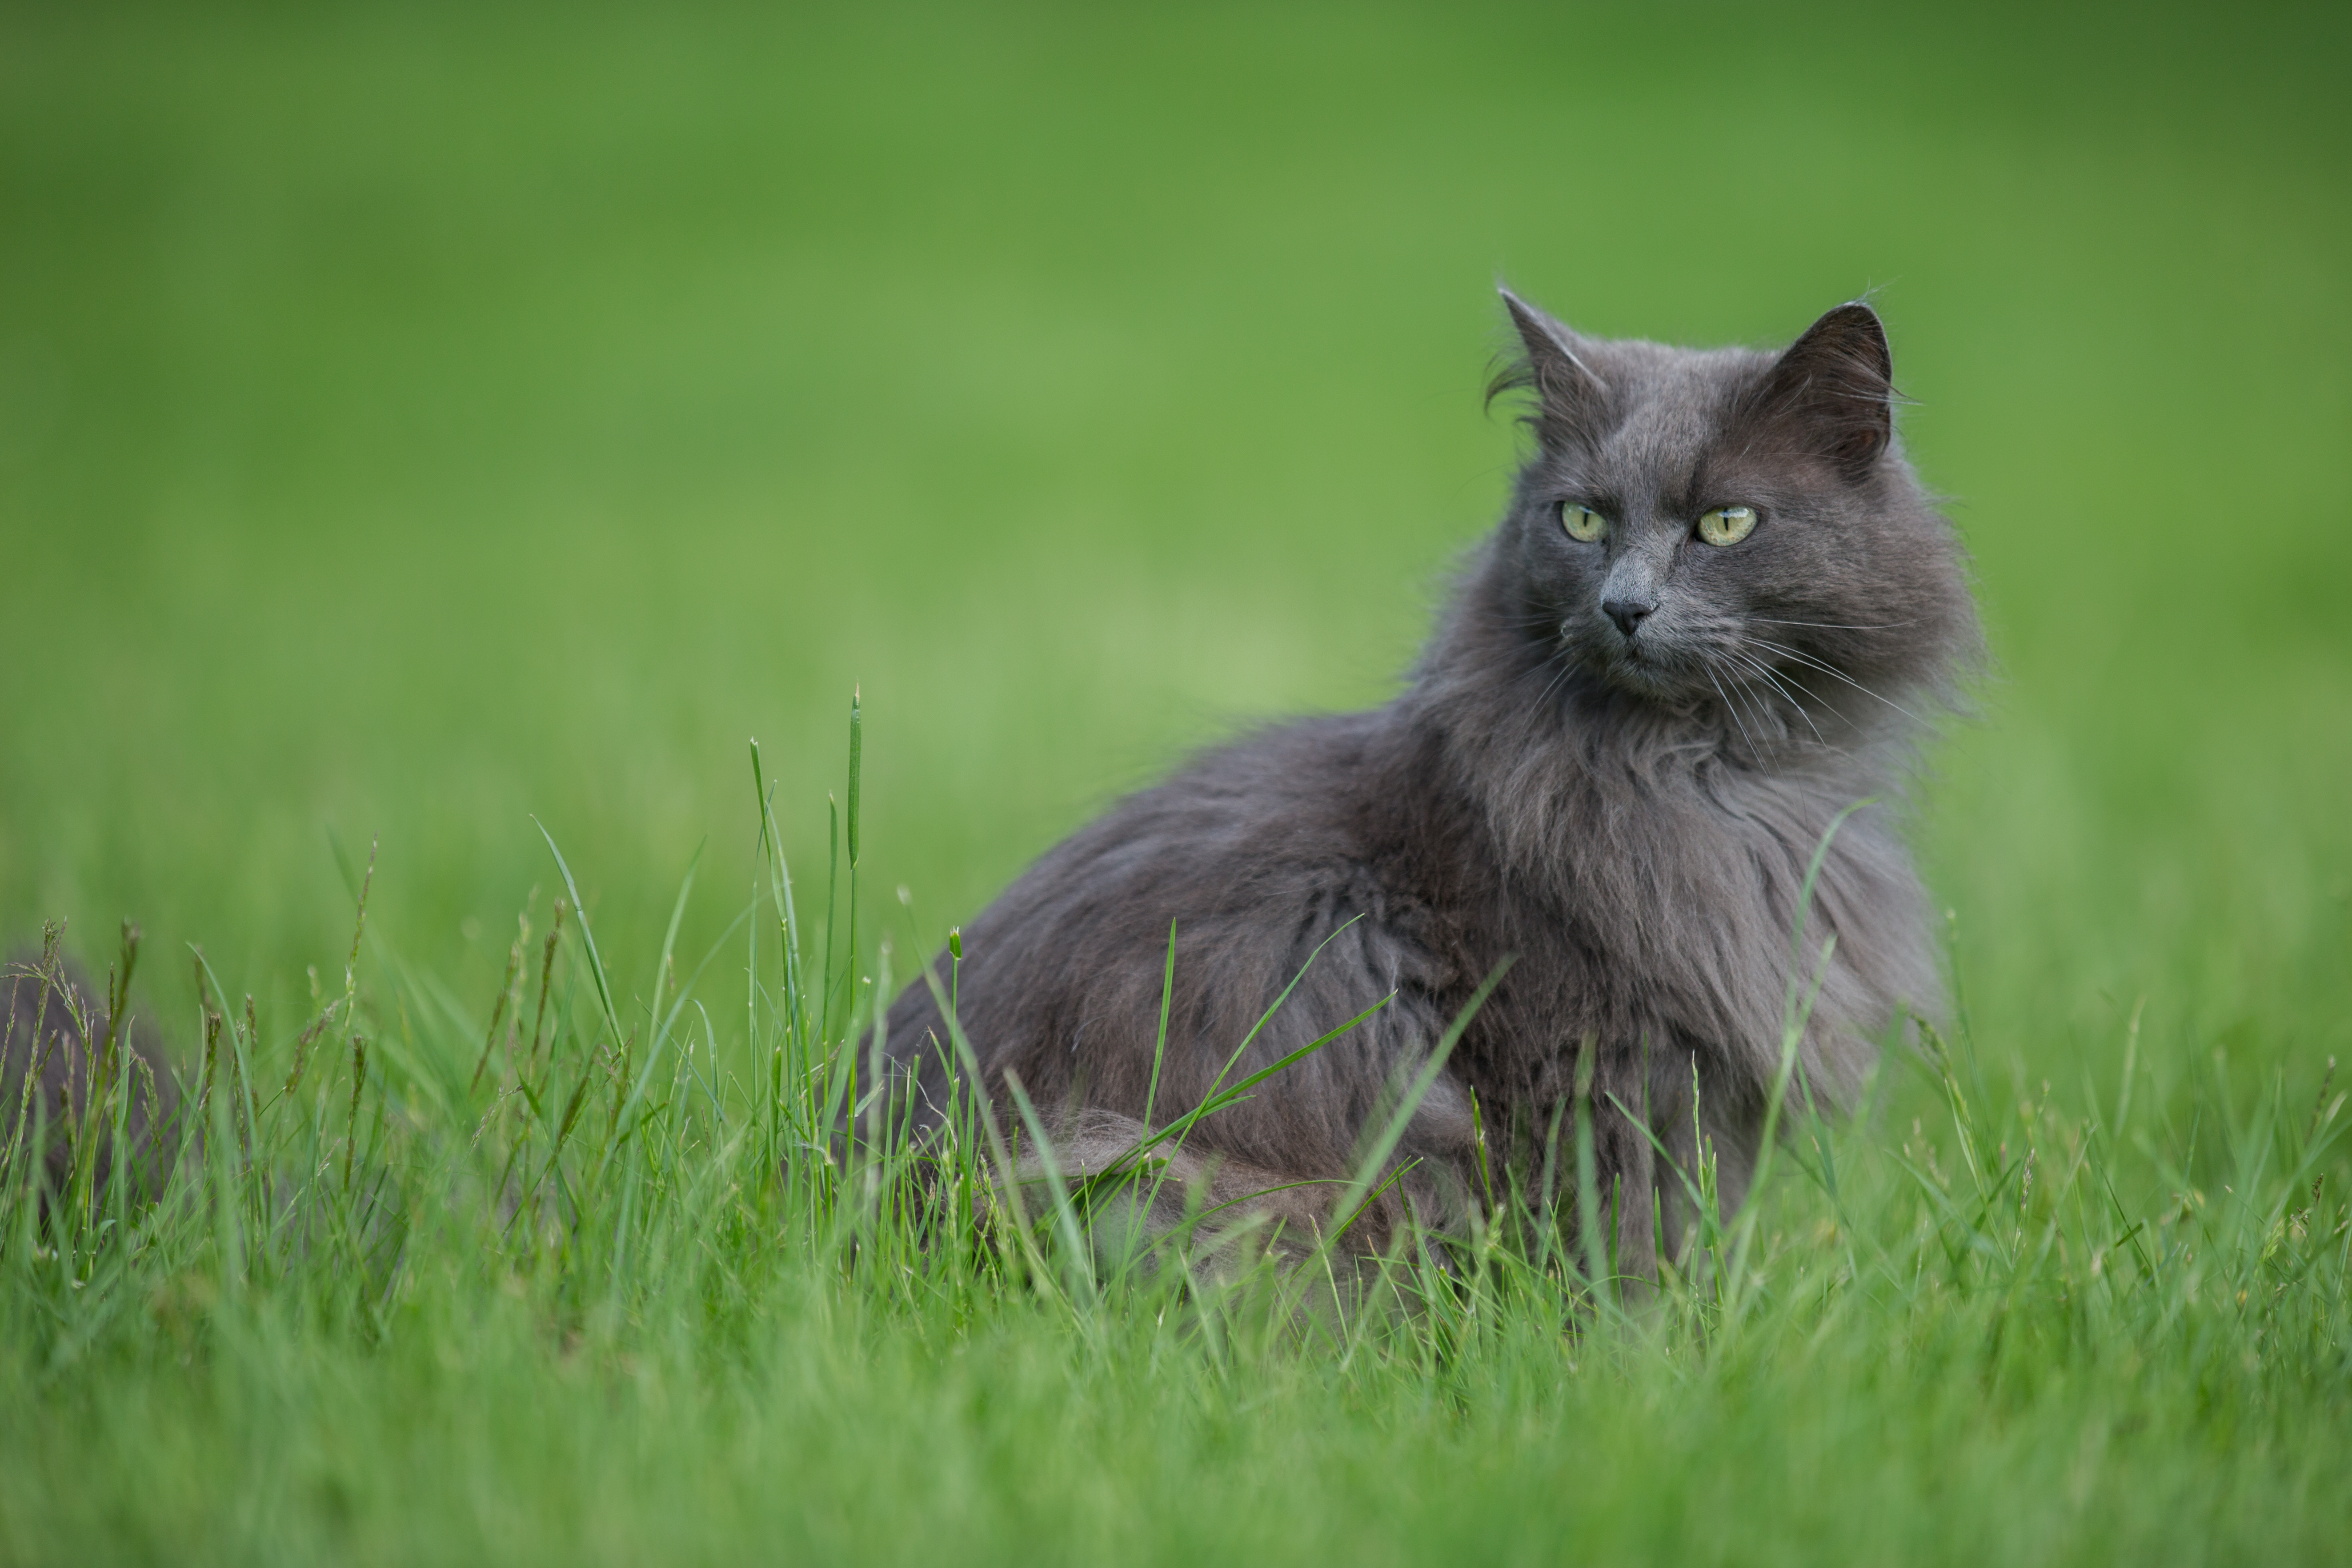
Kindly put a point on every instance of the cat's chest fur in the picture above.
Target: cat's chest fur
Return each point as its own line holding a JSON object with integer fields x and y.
{"x": 1642, "y": 887}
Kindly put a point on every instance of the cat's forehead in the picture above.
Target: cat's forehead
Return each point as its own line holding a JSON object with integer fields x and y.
{"x": 1670, "y": 404}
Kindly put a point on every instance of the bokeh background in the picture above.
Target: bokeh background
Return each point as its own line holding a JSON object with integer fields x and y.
{"x": 415, "y": 418}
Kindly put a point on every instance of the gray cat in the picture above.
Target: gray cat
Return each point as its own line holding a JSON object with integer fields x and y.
{"x": 1709, "y": 623}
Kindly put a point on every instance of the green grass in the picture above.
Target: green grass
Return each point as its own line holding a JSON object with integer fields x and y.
{"x": 412, "y": 421}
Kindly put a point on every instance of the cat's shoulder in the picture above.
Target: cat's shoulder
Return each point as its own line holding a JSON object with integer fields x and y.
{"x": 1273, "y": 814}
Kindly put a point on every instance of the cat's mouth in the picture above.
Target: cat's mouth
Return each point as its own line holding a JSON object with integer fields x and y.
{"x": 1642, "y": 662}
{"x": 1644, "y": 666}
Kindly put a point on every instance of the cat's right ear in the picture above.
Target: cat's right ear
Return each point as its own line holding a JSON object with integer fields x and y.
{"x": 1570, "y": 399}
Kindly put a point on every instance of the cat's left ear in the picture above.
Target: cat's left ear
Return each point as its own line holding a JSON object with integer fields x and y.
{"x": 1837, "y": 383}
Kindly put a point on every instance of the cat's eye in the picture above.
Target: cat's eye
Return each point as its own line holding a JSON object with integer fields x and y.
{"x": 1583, "y": 524}
{"x": 1727, "y": 524}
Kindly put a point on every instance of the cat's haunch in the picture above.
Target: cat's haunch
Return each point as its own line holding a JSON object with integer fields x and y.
{"x": 1717, "y": 614}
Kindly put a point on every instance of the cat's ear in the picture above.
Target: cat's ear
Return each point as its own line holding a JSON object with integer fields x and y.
{"x": 1570, "y": 399}
{"x": 1837, "y": 386}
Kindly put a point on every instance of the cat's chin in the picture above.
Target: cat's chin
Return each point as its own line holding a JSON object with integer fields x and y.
{"x": 1646, "y": 676}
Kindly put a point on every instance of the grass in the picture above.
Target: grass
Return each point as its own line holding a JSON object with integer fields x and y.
{"x": 413, "y": 421}
{"x": 580, "y": 1286}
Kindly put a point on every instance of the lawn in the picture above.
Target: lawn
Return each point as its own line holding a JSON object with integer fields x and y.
{"x": 423, "y": 426}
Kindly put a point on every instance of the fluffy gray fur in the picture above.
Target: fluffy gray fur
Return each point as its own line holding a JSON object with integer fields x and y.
{"x": 1624, "y": 812}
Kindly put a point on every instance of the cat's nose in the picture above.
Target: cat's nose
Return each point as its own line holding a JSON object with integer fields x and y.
{"x": 1627, "y": 613}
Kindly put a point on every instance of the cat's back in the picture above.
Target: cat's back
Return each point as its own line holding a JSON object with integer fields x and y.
{"x": 1295, "y": 842}
{"x": 1285, "y": 813}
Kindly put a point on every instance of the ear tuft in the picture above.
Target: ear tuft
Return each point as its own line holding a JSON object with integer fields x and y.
{"x": 1570, "y": 399}
{"x": 1837, "y": 386}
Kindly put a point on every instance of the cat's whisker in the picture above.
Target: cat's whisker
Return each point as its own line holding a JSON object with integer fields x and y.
{"x": 1783, "y": 680}
{"x": 1544, "y": 618}
{"x": 1750, "y": 662}
{"x": 1780, "y": 681}
{"x": 1733, "y": 711}
{"x": 1566, "y": 668}
{"x": 1835, "y": 674}
{"x": 1761, "y": 707}
{"x": 1754, "y": 703}
{"x": 1834, "y": 626}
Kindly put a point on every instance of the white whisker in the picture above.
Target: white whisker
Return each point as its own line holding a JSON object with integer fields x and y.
{"x": 1566, "y": 668}
{"x": 1835, "y": 674}
{"x": 1751, "y": 662}
{"x": 1834, "y": 625}
{"x": 1733, "y": 711}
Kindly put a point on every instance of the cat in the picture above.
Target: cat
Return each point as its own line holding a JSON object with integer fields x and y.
{"x": 1718, "y": 611}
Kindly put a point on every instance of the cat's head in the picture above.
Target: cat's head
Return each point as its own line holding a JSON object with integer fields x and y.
{"x": 1730, "y": 526}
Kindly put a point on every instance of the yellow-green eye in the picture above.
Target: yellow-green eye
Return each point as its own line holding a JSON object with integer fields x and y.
{"x": 1583, "y": 524}
{"x": 1727, "y": 524}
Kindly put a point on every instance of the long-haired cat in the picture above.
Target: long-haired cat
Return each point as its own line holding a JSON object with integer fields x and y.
{"x": 1705, "y": 626}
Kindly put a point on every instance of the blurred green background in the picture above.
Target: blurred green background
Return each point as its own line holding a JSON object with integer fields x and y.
{"x": 413, "y": 418}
